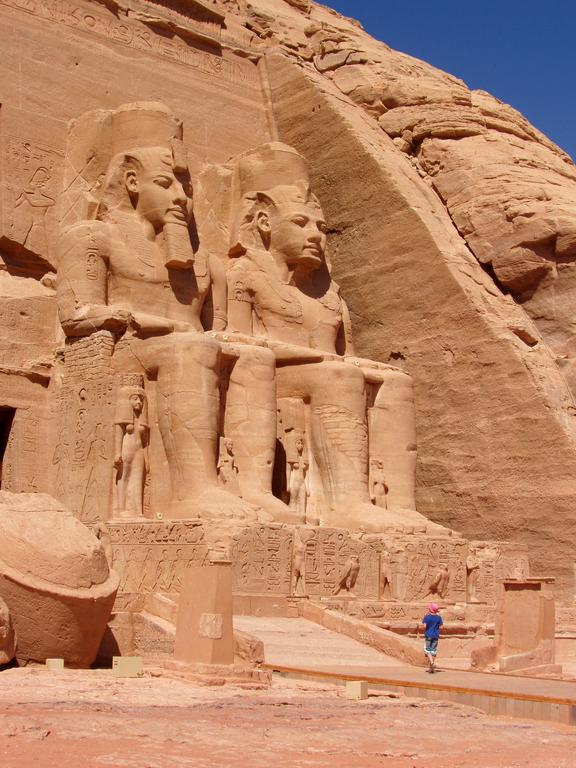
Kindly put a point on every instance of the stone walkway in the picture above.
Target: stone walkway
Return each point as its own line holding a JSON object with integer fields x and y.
{"x": 297, "y": 647}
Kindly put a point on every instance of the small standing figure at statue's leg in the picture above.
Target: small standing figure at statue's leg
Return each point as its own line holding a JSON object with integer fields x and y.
{"x": 227, "y": 466}
{"x": 130, "y": 448}
{"x": 297, "y": 480}
{"x": 378, "y": 487}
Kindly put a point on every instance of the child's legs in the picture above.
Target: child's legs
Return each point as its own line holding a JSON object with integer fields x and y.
{"x": 431, "y": 649}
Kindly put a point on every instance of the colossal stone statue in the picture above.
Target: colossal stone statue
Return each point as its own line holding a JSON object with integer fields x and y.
{"x": 129, "y": 268}
{"x": 280, "y": 292}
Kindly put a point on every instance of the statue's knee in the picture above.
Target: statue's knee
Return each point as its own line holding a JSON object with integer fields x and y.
{"x": 201, "y": 350}
{"x": 254, "y": 364}
{"x": 397, "y": 387}
{"x": 343, "y": 377}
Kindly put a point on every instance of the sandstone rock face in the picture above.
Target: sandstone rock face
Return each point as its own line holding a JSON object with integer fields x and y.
{"x": 162, "y": 354}
{"x": 54, "y": 578}
{"x": 7, "y": 635}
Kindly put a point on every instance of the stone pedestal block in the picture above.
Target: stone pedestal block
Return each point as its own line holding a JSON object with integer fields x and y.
{"x": 204, "y": 633}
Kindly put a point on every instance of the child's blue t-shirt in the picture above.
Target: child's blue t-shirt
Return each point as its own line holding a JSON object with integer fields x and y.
{"x": 433, "y": 623}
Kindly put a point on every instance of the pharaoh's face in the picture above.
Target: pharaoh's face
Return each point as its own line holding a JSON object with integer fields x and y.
{"x": 161, "y": 197}
{"x": 297, "y": 232}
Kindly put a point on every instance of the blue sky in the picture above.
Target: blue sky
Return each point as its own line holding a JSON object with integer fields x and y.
{"x": 522, "y": 51}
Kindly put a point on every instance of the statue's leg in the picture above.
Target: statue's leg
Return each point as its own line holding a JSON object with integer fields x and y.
{"x": 187, "y": 368}
{"x": 392, "y": 427}
{"x": 250, "y": 422}
{"x": 339, "y": 436}
{"x": 189, "y": 410}
{"x": 337, "y": 395}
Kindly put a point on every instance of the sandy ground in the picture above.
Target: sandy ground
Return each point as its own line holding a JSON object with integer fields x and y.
{"x": 80, "y": 719}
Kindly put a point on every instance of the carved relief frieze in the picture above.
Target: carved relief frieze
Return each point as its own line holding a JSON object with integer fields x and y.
{"x": 154, "y": 557}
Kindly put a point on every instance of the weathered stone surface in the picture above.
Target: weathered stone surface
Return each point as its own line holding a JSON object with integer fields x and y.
{"x": 7, "y": 635}
{"x": 54, "y": 578}
{"x": 443, "y": 243}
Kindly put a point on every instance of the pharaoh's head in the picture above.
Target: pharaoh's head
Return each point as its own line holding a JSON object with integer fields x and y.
{"x": 276, "y": 210}
{"x": 128, "y": 166}
{"x": 291, "y": 225}
{"x": 147, "y": 182}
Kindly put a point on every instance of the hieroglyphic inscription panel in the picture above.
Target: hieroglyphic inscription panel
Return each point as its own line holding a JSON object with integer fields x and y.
{"x": 263, "y": 557}
{"x": 262, "y": 560}
{"x": 566, "y": 618}
{"x": 153, "y": 556}
{"x": 22, "y": 469}
{"x": 82, "y": 457}
{"x": 415, "y": 561}
{"x": 425, "y": 556}
{"x": 131, "y": 31}
{"x": 498, "y": 560}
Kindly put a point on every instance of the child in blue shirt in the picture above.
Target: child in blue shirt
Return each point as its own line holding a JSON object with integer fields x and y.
{"x": 433, "y": 622}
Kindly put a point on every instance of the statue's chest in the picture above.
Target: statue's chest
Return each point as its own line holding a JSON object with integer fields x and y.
{"x": 287, "y": 304}
{"x": 143, "y": 275}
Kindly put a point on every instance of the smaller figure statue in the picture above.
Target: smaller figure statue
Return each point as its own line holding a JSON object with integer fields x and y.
{"x": 102, "y": 532}
{"x": 386, "y": 575}
{"x": 472, "y": 576}
{"x": 400, "y": 569}
{"x": 227, "y": 467}
{"x": 439, "y": 585}
{"x": 131, "y": 434}
{"x": 378, "y": 487}
{"x": 297, "y": 479}
{"x": 299, "y": 564}
{"x": 349, "y": 576}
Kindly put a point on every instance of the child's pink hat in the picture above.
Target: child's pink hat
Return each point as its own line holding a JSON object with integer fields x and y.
{"x": 433, "y": 608}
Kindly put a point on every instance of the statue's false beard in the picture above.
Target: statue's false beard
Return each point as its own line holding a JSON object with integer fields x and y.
{"x": 177, "y": 246}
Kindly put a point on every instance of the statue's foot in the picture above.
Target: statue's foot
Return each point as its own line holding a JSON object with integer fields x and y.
{"x": 410, "y": 517}
{"x": 126, "y": 515}
{"x": 369, "y": 518}
{"x": 216, "y": 504}
{"x": 278, "y": 511}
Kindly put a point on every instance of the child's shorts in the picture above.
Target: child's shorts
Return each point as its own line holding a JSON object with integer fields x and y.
{"x": 431, "y": 645}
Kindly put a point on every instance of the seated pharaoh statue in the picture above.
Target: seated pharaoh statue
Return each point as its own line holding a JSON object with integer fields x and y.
{"x": 127, "y": 266}
{"x": 252, "y": 353}
{"x": 354, "y": 413}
